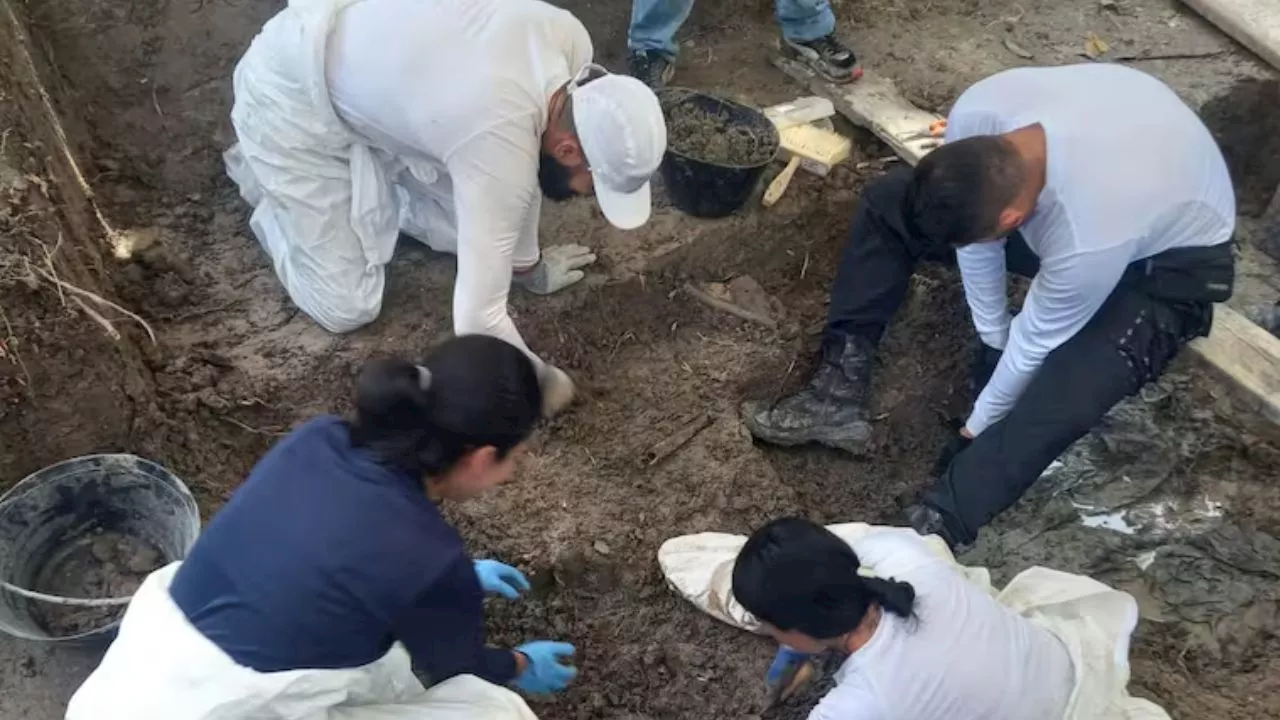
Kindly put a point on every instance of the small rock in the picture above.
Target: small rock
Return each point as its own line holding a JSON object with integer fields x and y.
{"x": 601, "y": 547}
{"x": 103, "y": 548}
{"x": 144, "y": 561}
{"x": 747, "y": 294}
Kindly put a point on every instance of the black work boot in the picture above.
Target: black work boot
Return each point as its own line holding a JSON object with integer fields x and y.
{"x": 831, "y": 410}
{"x": 651, "y": 67}
{"x": 826, "y": 56}
{"x": 928, "y": 520}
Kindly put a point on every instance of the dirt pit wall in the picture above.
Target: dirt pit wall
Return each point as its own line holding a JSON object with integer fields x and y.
{"x": 72, "y": 375}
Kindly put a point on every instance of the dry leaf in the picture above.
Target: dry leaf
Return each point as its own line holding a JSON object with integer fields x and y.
{"x": 1017, "y": 49}
{"x": 1095, "y": 47}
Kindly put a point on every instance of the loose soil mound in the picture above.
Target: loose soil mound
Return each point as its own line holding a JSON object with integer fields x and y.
{"x": 716, "y": 138}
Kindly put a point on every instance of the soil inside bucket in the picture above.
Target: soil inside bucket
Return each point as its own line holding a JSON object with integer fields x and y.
{"x": 715, "y": 138}
{"x": 105, "y": 565}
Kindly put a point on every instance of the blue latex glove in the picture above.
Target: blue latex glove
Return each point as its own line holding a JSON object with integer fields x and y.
{"x": 782, "y": 671}
{"x": 500, "y": 578}
{"x": 546, "y": 673}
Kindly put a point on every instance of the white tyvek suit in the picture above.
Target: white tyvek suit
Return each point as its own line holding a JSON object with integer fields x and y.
{"x": 352, "y": 131}
{"x": 161, "y": 668}
{"x": 1093, "y": 621}
{"x": 323, "y": 205}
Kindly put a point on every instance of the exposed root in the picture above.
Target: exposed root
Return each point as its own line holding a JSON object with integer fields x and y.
{"x": 121, "y": 242}
{"x": 7, "y": 350}
{"x": 95, "y": 316}
{"x": 269, "y": 432}
{"x": 48, "y": 261}
{"x": 80, "y": 292}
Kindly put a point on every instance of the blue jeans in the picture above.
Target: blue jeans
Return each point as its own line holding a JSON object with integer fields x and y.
{"x": 654, "y": 22}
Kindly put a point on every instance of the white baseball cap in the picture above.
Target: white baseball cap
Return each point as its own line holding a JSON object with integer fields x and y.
{"x": 623, "y": 134}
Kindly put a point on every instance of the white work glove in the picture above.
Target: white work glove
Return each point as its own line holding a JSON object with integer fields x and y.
{"x": 557, "y": 390}
{"x": 557, "y": 270}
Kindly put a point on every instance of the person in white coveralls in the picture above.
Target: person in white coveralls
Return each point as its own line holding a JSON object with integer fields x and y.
{"x": 357, "y": 120}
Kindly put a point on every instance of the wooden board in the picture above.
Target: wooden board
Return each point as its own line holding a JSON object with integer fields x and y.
{"x": 1246, "y": 357}
{"x": 873, "y": 102}
{"x": 1239, "y": 352}
{"x": 1253, "y": 23}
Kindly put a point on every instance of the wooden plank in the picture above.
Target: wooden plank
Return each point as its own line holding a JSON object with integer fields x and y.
{"x": 1239, "y": 352}
{"x": 1246, "y": 357}
{"x": 1253, "y": 23}
{"x": 873, "y": 102}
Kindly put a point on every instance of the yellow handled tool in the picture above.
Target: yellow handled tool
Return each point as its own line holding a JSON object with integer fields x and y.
{"x": 779, "y": 185}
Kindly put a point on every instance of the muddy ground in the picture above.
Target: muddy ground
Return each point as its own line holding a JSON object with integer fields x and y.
{"x": 143, "y": 90}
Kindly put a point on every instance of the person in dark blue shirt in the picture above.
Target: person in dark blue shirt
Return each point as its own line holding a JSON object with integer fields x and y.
{"x": 333, "y": 552}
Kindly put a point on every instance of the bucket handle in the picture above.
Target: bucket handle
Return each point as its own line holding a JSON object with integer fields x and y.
{"x": 58, "y": 600}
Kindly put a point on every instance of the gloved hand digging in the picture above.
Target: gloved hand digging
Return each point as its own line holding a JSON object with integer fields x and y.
{"x": 545, "y": 671}
{"x": 790, "y": 671}
{"x": 557, "y": 390}
{"x": 558, "y": 269}
{"x": 500, "y": 579}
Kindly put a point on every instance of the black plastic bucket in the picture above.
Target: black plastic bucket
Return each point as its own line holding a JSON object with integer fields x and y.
{"x": 714, "y": 187}
{"x": 96, "y": 523}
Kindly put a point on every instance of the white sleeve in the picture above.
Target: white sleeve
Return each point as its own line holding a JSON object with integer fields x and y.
{"x": 982, "y": 266}
{"x": 849, "y": 701}
{"x": 982, "y": 269}
{"x": 495, "y": 188}
{"x": 1064, "y": 296}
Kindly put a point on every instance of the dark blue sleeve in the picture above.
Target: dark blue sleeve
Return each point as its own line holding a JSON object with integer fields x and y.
{"x": 444, "y": 630}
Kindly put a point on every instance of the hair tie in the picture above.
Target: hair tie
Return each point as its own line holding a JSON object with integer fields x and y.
{"x": 424, "y": 378}
{"x": 866, "y": 572}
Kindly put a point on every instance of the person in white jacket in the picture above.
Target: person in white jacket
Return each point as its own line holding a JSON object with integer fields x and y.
{"x": 359, "y": 119}
{"x": 921, "y": 636}
{"x": 1097, "y": 182}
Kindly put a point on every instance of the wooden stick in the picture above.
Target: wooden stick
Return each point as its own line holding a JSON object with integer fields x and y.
{"x": 665, "y": 448}
{"x": 734, "y": 310}
{"x": 1167, "y": 56}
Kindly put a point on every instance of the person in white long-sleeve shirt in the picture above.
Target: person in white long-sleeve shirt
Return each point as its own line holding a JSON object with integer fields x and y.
{"x": 1100, "y": 184}
{"x": 921, "y": 641}
{"x": 357, "y": 120}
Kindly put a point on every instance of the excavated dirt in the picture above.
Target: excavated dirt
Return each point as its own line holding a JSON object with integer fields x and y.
{"x": 1246, "y": 125}
{"x": 145, "y": 92}
{"x": 109, "y": 565}
{"x": 716, "y": 138}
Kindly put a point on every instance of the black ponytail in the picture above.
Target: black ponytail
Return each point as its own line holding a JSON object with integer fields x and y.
{"x": 796, "y": 575}
{"x": 473, "y": 391}
{"x": 895, "y": 597}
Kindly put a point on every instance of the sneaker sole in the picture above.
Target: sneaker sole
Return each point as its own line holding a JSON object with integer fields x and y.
{"x": 787, "y": 52}
{"x": 851, "y": 438}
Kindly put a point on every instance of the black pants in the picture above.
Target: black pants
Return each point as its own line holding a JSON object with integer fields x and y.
{"x": 1128, "y": 342}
